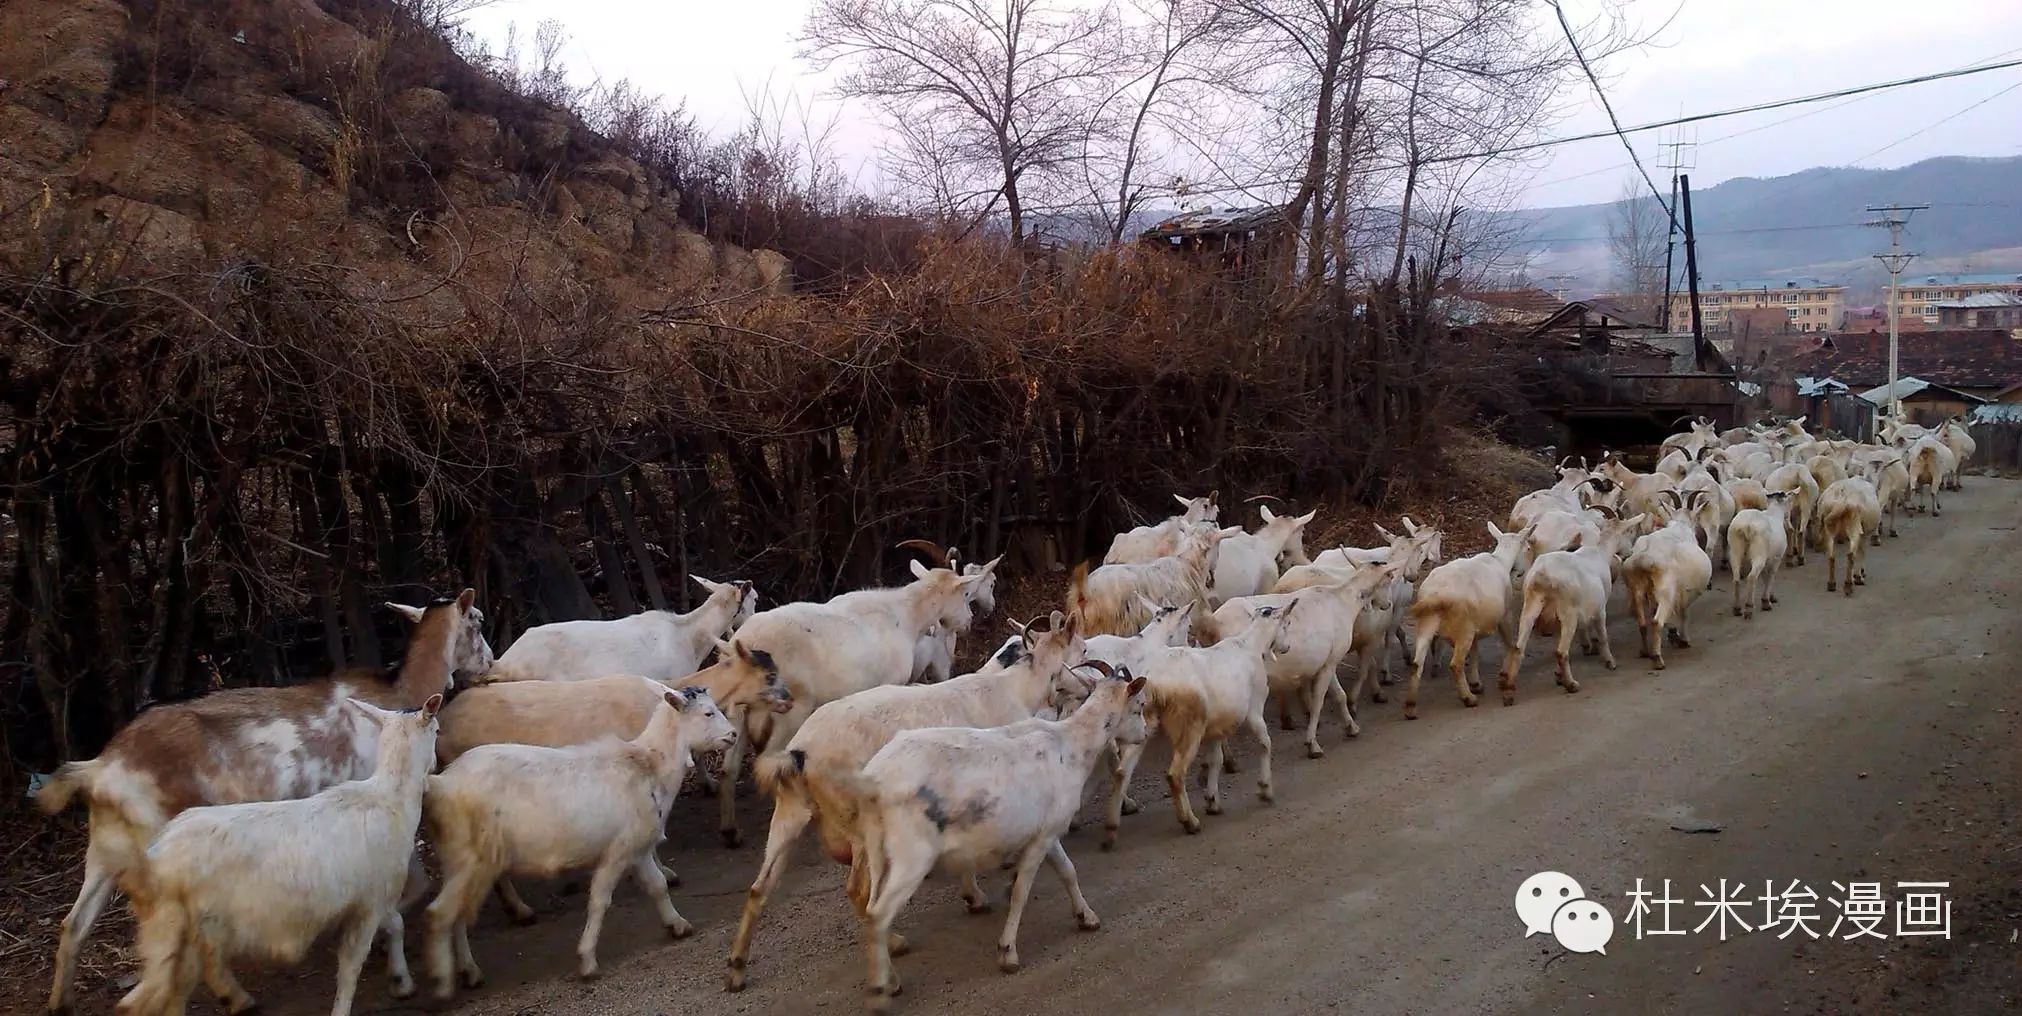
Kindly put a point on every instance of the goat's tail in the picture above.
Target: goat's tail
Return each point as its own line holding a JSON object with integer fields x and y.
{"x": 781, "y": 772}
{"x": 1077, "y": 596}
{"x": 57, "y": 791}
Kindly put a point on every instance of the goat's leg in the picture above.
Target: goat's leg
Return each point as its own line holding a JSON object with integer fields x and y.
{"x": 1184, "y": 747}
{"x": 509, "y": 898}
{"x": 1316, "y": 697}
{"x": 1262, "y": 732}
{"x": 1211, "y": 774}
{"x": 455, "y": 905}
{"x": 906, "y": 867}
{"x": 1562, "y": 661}
{"x": 399, "y": 980}
{"x": 1427, "y": 632}
{"x": 225, "y": 988}
{"x": 653, "y": 882}
{"x": 790, "y": 815}
{"x": 726, "y": 790}
{"x": 1084, "y": 915}
{"x": 602, "y": 883}
{"x": 1021, "y": 891}
{"x": 99, "y": 882}
{"x": 1600, "y": 630}
{"x": 1341, "y": 702}
{"x": 1285, "y": 713}
{"x": 352, "y": 949}
{"x": 972, "y": 894}
{"x": 1119, "y": 805}
{"x": 1513, "y": 653}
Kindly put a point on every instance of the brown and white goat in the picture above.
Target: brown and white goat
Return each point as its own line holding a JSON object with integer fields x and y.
{"x": 244, "y": 744}
{"x": 1572, "y": 587}
{"x": 1112, "y": 599}
{"x": 1149, "y": 543}
{"x": 1461, "y": 601}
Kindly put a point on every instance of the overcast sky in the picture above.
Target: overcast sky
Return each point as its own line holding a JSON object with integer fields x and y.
{"x": 1715, "y": 54}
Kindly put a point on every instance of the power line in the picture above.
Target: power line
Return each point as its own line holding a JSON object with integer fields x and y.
{"x": 1602, "y": 94}
{"x": 1919, "y": 132}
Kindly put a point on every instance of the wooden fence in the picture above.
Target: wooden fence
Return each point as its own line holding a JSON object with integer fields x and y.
{"x": 1999, "y": 447}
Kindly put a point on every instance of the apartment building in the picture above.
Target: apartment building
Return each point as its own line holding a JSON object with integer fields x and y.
{"x": 1919, "y": 295}
{"x": 1810, "y": 305}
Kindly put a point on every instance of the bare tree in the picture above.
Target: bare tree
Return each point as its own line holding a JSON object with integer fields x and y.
{"x": 1010, "y": 86}
{"x": 1637, "y": 231}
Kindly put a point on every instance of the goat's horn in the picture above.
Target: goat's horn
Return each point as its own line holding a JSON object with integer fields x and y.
{"x": 1605, "y": 510}
{"x": 1562, "y": 462}
{"x": 1039, "y": 622}
{"x": 1099, "y": 667}
{"x": 1676, "y": 498}
{"x": 927, "y": 548}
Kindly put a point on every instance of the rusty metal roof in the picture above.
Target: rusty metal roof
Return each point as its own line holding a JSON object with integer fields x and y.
{"x": 1219, "y": 221}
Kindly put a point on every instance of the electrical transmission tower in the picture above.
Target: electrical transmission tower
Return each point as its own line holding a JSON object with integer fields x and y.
{"x": 1680, "y": 158}
{"x": 1894, "y": 218}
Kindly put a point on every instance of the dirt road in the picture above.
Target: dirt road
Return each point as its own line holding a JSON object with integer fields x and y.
{"x": 1871, "y": 739}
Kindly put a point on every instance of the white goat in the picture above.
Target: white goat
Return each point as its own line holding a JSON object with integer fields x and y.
{"x": 1572, "y": 586}
{"x": 1929, "y": 462}
{"x": 825, "y": 651}
{"x": 1247, "y": 563}
{"x": 1460, "y": 601}
{"x": 1149, "y": 543}
{"x": 939, "y": 797}
{"x": 1112, "y": 599}
{"x": 657, "y": 644}
{"x": 267, "y": 878}
{"x": 841, "y": 736}
{"x": 1204, "y": 695}
{"x": 934, "y": 654}
{"x": 522, "y": 809}
{"x": 1849, "y": 512}
{"x": 1803, "y": 490}
{"x": 1757, "y": 541}
{"x": 1959, "y": 438}
{"x": 1315, "y": 641}
{"x": 1665, "y": 573}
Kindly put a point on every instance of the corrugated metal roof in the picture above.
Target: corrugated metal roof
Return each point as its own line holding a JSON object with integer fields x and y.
{"x": 1998, "y": 412}
{"x": 1802, "y": 282}
{"x": 1905, "y": 387}
{"x": 1979, "y": 301}
{"x": 1964, "y": 279}
{"x": 1219, "y": 220}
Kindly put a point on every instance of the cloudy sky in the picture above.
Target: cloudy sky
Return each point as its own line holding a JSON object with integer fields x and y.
{"x": 1713, "y": 54}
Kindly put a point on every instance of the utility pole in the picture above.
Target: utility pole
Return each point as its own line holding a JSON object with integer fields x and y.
{"x": 1676, "y": 165}
{"x": 1894, "y": 218}
{"x": 1692, "y": 268}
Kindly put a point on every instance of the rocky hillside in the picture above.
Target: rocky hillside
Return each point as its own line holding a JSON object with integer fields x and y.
{"x": 168, "y": 136}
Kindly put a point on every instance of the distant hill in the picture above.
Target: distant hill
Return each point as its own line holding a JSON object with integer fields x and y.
{"x": 1807, "y": 223}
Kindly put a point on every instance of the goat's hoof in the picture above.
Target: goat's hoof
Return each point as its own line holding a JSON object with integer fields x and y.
{"x": 1109, "y": 838}
{"x": 1286, "y": 723}
{"x": 1572, "y": 687}
{"x": 898, "y": 946}
{"x": 1738, "y": 613}
{"x": 1377, "y": 695}
{"x": 1007, "y": 961}
{"x": 733, "y": 981}
{"x": 1610, "y": 664}
{"x": 523, "y": 918}
{"x": 472, "y": 978}
{"x": 1088, "y": 921}
{"x": 1509, "y": 698}
{"x": 1264, "y": 794}
{"x": 1470, "y": 701}
{"x": 1229, "y": 765}
{"x": 1131, "y": 807}
{"x": 1315, "y": 751}
{"x": 1410, "y": 710}
{"x": 1386, "y": 679}
{"x": 589, "y": 972}
{"x": 732, "y": 838}
{"x": 1657, "y": 663}
{"x": 1831, "y": 586}
{"x": 1474, "y": 687}
{"x": 680, "y": 930}
{"x": 401, "y": 989}
{"x": 979, "y": 906}
{"x": 246, "y": 1006}
{"x": 1213, "y": 808}
{"x": 1192, "y": 825}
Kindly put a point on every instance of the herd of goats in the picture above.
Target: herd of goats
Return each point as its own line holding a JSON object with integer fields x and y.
{"x": 252, "y": 821}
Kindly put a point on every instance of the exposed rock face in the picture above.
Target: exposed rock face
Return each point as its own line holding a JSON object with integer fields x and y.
{"x": 299, "y": 130}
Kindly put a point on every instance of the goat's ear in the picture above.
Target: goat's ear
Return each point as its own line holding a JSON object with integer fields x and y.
{"x": 1409, "y": 526}
{"x": 1493, "y": 531}
{"x": 673, "y": 698}
{"x": 1136, "y": 685}
{"x": 990, "y": 568}
{"x": 1223, "y": 534}
{"x": 466, "y": 599}
{"x": 1264, "y": 511}
{"x": 743, "y": 654}
{"x": 411, "y": 613}
{"x": 1307, "y": 519}
{"x": 1185, "y": 501}
{"x": 432, "y": 706}
{"x": 1388, "y": 536}
{"x": 723, "y": 650}
{"x": 367, "y": 710}
{"x": 1638, "y": 520}
{"x": 1578, "y": 539}
{"x": 919, "y": 570}
{"x": 706, "y": 583}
